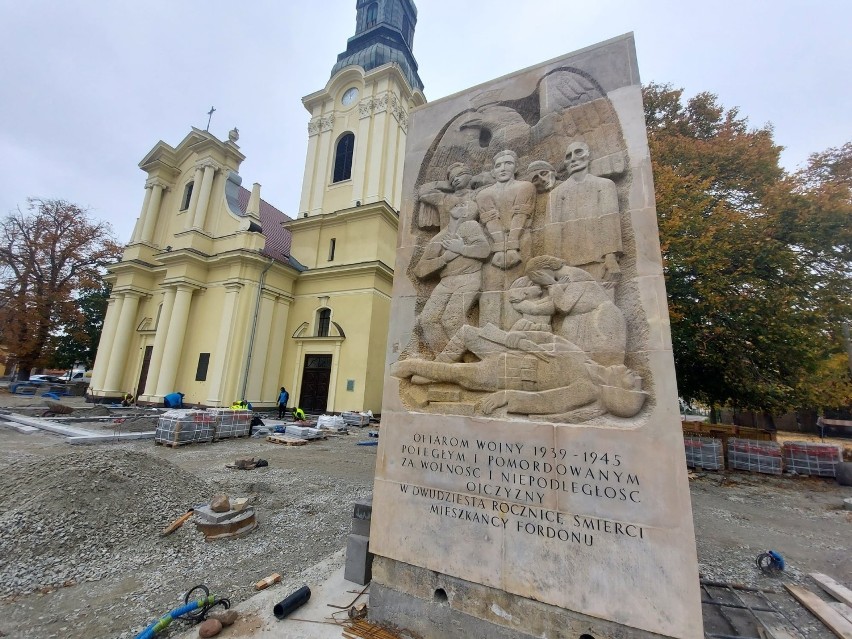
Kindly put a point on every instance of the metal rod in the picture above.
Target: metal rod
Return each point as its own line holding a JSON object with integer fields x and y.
{"x": 730, "y": 605}
{"x": 722, "y": 584}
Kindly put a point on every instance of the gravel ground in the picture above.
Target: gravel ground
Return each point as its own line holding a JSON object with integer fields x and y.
{"x": 80, "y": 554}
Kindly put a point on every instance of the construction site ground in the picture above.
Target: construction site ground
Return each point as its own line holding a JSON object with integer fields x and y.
{"x": 81, "y": 555}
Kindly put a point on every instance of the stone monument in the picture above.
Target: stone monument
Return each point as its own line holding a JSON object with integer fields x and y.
{"x": 530, "y": 479}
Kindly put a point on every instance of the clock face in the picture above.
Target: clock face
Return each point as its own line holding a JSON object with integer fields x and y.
{"x": 350, "y": 96}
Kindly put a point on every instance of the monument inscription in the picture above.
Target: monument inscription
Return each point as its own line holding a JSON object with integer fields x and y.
{"x": 530, "y": 440}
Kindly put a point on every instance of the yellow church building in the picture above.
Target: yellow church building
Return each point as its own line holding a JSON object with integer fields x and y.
{"x": 221, "y": 296}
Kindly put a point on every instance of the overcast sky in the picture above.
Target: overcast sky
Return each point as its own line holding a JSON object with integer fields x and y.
{"x": 87, "y": 87}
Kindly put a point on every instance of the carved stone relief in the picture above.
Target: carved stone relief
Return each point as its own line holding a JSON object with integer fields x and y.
{"x": 365, "y": 108}
{"x": 525, "y": 307}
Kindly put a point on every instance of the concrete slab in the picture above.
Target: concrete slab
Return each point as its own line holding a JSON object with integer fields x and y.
{"x": 44, "y": 424}
{"x": 96, "y": 438}
{"x": 314, "y": 620}
{"x": 21, "y": 428}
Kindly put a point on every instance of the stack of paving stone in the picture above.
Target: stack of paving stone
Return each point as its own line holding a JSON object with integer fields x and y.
{"x": 355, "y": 419}
{"x": 331, "y": 422}
{"x": 231, "y": 423}
{"x": 185, "y": 426}
{"x": 704, "y": 452}
{"x": 303, "y": 432}
{"x": 755, "y": 456}
{"x": 806, "y": 458}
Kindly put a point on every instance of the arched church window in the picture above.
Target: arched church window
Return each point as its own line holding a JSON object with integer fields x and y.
{"x": 343, "y": 158}
{"x": 372, "y": 15}
{"x": 187, "y": 196}
{"x": 323, "y": 322}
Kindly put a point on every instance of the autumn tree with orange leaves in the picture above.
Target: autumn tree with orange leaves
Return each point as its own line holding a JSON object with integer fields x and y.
{"x": 47, "y": 254}
{"x": 756, "y": 260}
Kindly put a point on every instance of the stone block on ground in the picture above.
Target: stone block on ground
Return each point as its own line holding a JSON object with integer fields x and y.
{"x": 359, "y": 560}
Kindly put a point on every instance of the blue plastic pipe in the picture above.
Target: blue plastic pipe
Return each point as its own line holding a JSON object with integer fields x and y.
{"x": 163, "y": 622}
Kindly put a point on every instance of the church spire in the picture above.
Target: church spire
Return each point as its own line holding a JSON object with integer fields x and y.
{"x": 384, "y": 32}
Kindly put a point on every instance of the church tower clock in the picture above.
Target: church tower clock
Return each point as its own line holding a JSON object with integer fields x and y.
{"x": 345, "y": 231}
{"x": 356, "y": 134}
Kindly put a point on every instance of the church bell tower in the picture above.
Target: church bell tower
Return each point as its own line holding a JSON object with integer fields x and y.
{"x": 358, "y": 125}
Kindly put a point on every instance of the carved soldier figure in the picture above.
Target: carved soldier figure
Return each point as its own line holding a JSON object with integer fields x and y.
{"x": 505, "y": 209}
{"x": 456, "y": 254}
{"x": 584, "y": 226}
{"x": 441, "y": 197}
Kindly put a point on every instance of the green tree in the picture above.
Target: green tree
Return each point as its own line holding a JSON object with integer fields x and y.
{"x": 755, "y": 296}
{"x": 46, "y": 254}
{"x": 80, "y": 333}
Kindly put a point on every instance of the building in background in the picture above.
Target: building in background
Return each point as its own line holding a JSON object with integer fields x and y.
{"x": 221, "y": 296}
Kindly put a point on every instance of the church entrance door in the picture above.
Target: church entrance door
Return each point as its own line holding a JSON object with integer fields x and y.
{"x": 315, "y": 378}
{"x": 143, "y": 374}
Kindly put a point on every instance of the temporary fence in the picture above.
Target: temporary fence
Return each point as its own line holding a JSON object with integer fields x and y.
{"x": 185, "y": 426}
{"x": 806, "y": 458}
{"x": 753, "y": 455}
{"x": 704, "y": 452}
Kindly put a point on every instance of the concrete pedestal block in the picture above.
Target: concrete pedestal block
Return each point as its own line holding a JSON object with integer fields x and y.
{"x": 435, "y": 606}
{"x": 359, "y": 560}
{"x": 362, "y": 514}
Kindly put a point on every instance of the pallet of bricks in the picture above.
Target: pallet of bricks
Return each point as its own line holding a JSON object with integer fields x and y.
{"x": 704, "y": 452}
{"x": 755, "y": 456}
{"x": 185, "y": 426}
{"x": 806, "y": 458}
{"x": 231, "y": 423}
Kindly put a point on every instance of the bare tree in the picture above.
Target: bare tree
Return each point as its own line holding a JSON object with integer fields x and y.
{"x": 46, "y": 253}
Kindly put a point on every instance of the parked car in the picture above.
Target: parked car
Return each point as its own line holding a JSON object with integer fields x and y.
{"x": 47, "y": 379}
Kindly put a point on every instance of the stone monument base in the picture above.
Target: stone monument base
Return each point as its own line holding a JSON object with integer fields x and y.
{"x": 430, "y": 605}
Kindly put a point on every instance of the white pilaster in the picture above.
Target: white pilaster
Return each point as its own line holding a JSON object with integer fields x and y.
{"x": 193, "y": 199}
{"x": 200, "y": 217}
{"x": 153, "y": 212}
{"x": 140, "y": 221}
{"x": 121, "y": 343}
{"x": 163, "y": 323}
{"x": 105, "y": 346}
{"x": 221, "y": 355}
{"x": 174, "y": 341}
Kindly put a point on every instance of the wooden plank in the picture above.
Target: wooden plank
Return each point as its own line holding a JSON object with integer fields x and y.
{"x": 824, "y": 612}
{"x": 842, "y": 608}
{"x": 834, "y": 588}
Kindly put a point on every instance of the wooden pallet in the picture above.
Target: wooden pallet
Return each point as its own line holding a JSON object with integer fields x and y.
{"x": 178, "y": 444}
{"x": 361, "y": 629}
{"x": 286, "y": 440}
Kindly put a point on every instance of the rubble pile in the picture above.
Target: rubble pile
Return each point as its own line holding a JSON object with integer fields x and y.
{"x": 62, "y": 518}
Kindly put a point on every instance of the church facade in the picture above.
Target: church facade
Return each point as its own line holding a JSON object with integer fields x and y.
{"x": 221, "y": 296}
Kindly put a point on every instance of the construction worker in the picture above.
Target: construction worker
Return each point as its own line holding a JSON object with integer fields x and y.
{"x": 299, "y": 415}
{"x": 283, "y": 398}
{"x": 173, "y": 400}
